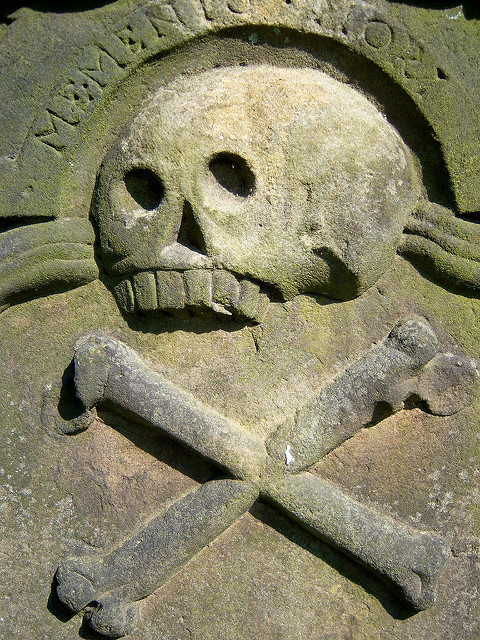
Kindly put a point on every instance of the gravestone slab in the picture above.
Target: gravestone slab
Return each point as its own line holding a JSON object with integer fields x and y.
{"x": 239, "y": 320}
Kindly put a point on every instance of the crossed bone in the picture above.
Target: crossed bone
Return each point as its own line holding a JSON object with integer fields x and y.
{"x": 405, "y": 366}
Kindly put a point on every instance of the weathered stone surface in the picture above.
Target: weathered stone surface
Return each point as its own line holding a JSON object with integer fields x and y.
{"x": 239, "y": 283}
{"x": 135, "y": 569}
{"x": 302, "y": 160}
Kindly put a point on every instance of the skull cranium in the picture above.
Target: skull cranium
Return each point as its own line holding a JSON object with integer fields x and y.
{"x": 246, "y": 177}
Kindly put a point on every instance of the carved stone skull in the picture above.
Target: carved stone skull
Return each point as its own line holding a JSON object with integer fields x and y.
{"x": 245, "y": 180}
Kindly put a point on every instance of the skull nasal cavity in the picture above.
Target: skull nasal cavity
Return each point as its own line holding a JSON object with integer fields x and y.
{"x": 189, "y": 233}
{"x": 145, "y": 188}
{"x": 233, "y": 174}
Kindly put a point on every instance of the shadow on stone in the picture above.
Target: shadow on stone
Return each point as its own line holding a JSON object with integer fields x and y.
{"x": 69, "y": 406}
{"x": 162, "y": 447}
{"x": 89, "y": 634}
{"x": 335, "y": 559}
{"x": 426, "y": 267}
{"x": 55, "y": 606}
{"x": 53, "y": 6}
{"x": 471, "y": 8}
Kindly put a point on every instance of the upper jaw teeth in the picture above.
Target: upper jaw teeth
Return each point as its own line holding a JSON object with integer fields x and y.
{"x": 171, "y": 289}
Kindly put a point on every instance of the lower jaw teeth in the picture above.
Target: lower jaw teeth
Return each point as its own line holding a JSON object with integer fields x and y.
{"x": 219, "y": 291}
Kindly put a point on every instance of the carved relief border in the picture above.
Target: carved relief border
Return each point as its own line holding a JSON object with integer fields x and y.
{"x": 161, "y": 26}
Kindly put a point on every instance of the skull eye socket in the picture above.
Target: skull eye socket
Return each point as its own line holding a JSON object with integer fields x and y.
{"x": 233, "y": 174}
{"x": 144, "y": 187}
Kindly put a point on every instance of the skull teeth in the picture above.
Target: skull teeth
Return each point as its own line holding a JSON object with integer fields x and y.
{"x": 168, "y": 290}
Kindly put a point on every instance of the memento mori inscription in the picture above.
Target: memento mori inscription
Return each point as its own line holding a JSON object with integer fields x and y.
{"x": 248, "y": 191}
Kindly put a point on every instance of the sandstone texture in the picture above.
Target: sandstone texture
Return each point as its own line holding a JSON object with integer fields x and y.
{"x": 239, "y": 320}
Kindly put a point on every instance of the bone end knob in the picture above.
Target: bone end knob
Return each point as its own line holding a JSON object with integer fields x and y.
{"x": 73, "y": 589}
{"x": 415, "y": 338}
{"x": 114, "y": 617}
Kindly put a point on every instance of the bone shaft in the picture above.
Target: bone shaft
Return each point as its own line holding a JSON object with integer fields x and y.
{"x": 150, "y": 557}
{"x": 409, "y": 559}
{"x": 107, "y": 370}
{"x": 348, "y": 403}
